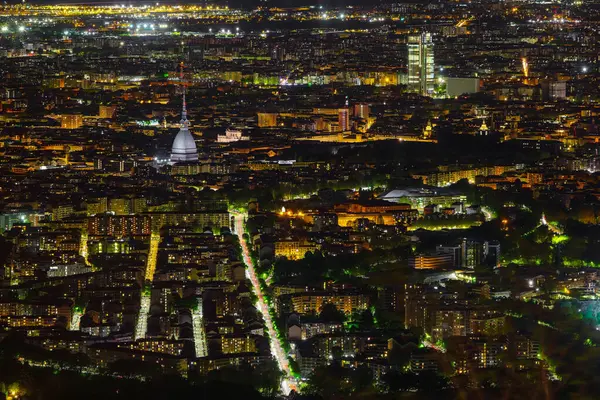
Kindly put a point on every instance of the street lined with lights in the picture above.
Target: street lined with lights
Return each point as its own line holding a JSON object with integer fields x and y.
{"x": 288, "y": 383}
{"x": 146, "y": 292}
{"x": 199, "y": 334}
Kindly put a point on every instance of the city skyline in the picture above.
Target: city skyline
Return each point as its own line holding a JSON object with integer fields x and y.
{"x": 285, "y": 200}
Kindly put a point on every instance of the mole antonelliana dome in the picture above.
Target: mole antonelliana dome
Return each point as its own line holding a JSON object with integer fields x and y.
{"x": 184, "y": 147}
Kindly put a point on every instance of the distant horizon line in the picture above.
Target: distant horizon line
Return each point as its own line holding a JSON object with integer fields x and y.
{"x": 229, "y": 3}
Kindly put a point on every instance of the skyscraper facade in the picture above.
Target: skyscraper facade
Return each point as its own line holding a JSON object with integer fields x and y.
{"x": 421, "y": 75}
{"x": 344, "y": 119}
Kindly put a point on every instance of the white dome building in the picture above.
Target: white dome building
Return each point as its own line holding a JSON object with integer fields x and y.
{"x": 184, "y": 146}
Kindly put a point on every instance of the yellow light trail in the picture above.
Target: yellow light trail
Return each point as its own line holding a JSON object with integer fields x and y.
{"x": 75, "y": 321}
{"x": 464, "y": 22}
{"x": 199, "y": 334}
{"x": 83, "y": 246}
{"x": 142, "y": 320}
{"x": 525, "y": 67}
{"x": 152, "y": 255}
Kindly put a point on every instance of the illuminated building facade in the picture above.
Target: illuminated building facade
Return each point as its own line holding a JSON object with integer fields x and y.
{"x": 207, "y": 364}
{"x": 7, "y": 220}
{"x": 431, "y": 261}
{"x": 107, "y": 246}
{"x": 231, "y": 344}
{"x": 107, "y": 112}
{"x": 421, "y": 74}
{"x": 312, "y": 329}
{"x": 71, "y": 121}
{"x": 215, "y": 219}
{"x": 426, "y": 360}
{"x": 62, "y": 212}
{"x": 231, "y": 135}
{"x": 294, "y": 249}
{"x": 310, "y": 303}
{"x": 28, "y": 321}
{"x": 344, "y": 119}
{"x": 484, "y": 323}
{"x": 119, "y": 206}
{"x": 267, "y": 120}
{"x": 119, "y": 225}
{"x": 96, "y": 206}
{"x": 361, "y": 111}
{"x": 474, "y": 352}
{"x": 164, "y": 346}
{"x": 448, "y": 321}
{"x": 449, "y": 176}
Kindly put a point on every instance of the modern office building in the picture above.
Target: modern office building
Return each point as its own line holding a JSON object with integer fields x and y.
{"x": 421, "y": 75}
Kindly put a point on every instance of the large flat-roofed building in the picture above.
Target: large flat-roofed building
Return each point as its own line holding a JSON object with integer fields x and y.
{"x": 458, "y": 86}
{"x": 418, "y": 198}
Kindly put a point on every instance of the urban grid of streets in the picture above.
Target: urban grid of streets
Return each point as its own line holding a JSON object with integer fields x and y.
{"x": 145, "y": 302}
{"x": 288, "y": 383}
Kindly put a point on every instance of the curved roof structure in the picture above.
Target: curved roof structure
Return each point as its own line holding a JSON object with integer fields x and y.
{"x": 184, "y": 146}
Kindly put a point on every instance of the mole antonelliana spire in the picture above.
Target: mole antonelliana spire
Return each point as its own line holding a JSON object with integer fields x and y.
{"x": 184, "y": 147}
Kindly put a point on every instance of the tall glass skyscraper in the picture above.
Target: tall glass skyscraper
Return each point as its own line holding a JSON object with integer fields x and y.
{"x": 421, "y": 75}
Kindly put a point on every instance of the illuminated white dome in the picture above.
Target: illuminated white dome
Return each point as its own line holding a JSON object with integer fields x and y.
{"x": 184, "y": 146}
